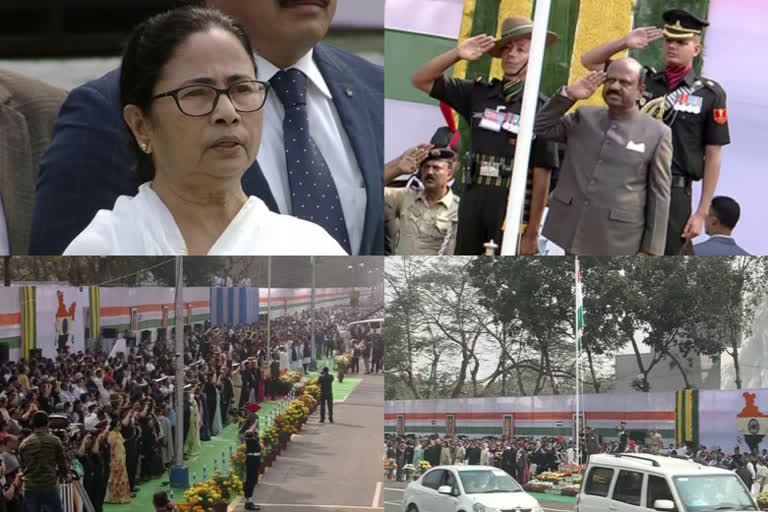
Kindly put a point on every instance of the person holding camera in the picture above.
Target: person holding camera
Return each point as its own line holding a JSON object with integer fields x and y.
{"x": 326, "y": 394}
{"x": 42, "y": 457}
{"x": 163, "y": 503}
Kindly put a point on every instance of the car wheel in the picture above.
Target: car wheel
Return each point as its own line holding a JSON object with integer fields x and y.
{"x": 413, "y": 508}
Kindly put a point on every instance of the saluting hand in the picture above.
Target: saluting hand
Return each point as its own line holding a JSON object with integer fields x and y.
{"x": 586, "y": 86}
{"x": 475, "y": 47}
{"x": 410, "y": 160}
{"x": 641, "y": 37}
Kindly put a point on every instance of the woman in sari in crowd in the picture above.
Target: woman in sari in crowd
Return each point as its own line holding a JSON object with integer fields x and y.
{"x": 119, "y": 490}
{"x": 192, "y": 442}
{"x": 217, "y": 427}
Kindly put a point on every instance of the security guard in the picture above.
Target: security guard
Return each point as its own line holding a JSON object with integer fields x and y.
{"x": 493, "y": 111}
{"x": 428, "y": 214}
{"x": 693, "y": 107}
{"x": 252, "y": 463}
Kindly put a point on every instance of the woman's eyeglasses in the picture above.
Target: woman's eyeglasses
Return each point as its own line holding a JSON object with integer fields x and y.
{"x": 201, "y": 100}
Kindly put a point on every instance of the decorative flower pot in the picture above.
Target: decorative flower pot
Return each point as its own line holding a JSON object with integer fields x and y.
{"x": 221, "y": 507}
{"x": 340, "y": 375}
{"x": 283, "y": 444}
{"x": 262, "y": 467}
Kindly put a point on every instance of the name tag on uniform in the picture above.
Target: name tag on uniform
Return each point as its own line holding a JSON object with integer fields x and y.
{"x": 689, "y": 103}
{"x": 489, "y": 169}
{"x": 492, "y": 120}
{"x": 511, "y": 123}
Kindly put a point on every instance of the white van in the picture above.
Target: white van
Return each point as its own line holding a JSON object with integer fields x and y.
{"x": 630, "y": 482}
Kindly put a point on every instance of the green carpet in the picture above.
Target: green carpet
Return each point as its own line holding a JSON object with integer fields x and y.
{"x": 553, "y": 497}
{"x": 208, "y": 451}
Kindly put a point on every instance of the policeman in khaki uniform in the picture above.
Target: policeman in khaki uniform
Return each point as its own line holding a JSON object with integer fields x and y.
{"x": 428, "y": 215}
{"x": 612, "y": 198}
{"x": 492, "y": 109}
{"x": 694, "y": 108}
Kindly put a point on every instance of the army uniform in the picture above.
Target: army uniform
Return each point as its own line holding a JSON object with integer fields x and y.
{"x": 696, "y": 112}
{"x": 487, "y": 167}
{"x": 424, "y": 230}
{"x": 252, "y": 463}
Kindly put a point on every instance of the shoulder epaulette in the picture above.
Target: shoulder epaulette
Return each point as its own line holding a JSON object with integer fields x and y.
{"x": 710, "y": 84}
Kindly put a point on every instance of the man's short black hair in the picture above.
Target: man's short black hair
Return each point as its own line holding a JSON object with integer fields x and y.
{"x": 727, "y": 210}
{"x": 39, "y": 419}
{"x": 160, "y": 499}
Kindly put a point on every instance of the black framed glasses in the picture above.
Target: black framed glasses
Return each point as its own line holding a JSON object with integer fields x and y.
{"x": 200, "y": 100}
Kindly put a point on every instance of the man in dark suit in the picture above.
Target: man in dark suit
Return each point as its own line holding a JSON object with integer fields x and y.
{"x": 88, "y": 163}
{"x": 612, "y": 196}
{"x": 724, "y": 213}
{"x": 28, "y": 109}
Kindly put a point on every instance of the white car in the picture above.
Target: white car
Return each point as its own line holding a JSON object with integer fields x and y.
{"x": 629, "y": 482}
{"x": 467, "y": 489}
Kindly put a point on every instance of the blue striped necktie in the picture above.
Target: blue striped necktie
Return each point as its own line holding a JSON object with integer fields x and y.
{"x": 313, "y": 193}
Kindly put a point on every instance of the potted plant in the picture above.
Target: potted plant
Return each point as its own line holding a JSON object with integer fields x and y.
{"x": 762, "y": 500}
{"x": 342, "y": 365}
{"x": 389, "y": 468}
{"x": 238, "y": 461}
{"x": 205, "y": 497}
{"x": 409, "y": 471}
{"x": 424, "y": 466}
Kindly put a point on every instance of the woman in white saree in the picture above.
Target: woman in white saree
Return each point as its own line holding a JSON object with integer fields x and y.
{"x": 193, "y": 104}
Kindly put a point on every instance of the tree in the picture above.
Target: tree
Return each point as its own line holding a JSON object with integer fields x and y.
{"x": 734, "y": 291}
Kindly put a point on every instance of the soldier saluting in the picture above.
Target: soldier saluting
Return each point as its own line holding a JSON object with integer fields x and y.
{"x": 492, "y": 109}
{"x": 692, "y": 106}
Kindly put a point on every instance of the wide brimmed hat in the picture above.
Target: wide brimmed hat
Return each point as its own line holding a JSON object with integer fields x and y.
{"x": 516, "y": 27}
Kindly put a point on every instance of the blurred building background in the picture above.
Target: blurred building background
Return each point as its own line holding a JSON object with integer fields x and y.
{"x": 68, "y": 42}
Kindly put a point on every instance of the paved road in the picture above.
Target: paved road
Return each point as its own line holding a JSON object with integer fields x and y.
{"x": 393, "y": 496}
{"x": 332, "y": 467}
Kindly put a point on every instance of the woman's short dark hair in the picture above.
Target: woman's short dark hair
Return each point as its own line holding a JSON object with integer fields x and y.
{"x": 151, "y": 45}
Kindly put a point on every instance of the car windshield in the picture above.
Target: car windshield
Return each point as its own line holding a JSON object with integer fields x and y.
{"x": 713, "y": 492}
{"x": 479, "y": 481}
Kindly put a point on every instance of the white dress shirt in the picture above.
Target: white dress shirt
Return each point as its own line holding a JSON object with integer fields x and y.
{"x": 143, "y": 225}
{"x": 328, "y": 132}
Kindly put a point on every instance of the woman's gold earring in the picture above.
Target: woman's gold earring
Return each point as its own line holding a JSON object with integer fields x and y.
{"x": 145, "y": 147}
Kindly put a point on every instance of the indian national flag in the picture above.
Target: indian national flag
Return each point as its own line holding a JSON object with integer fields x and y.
{"x": 579, "y": 306}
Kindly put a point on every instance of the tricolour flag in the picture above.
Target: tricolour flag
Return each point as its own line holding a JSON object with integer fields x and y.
{"x": 579, "y": 306}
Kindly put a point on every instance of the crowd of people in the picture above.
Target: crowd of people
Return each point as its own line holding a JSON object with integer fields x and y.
{"x": 524, "y": 458}
{"x": 111, "y": 421}
{"x": 622, "y": 191}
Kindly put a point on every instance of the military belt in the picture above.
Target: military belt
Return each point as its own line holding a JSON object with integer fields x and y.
{"x": 504, "y": 166}
{"x": 681, "y": 182}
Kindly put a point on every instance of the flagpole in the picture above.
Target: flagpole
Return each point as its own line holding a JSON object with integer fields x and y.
{"x": 578, "y": 342}
{"x": 516, "y": 198}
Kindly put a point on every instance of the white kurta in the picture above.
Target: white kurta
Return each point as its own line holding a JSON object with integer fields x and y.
{"x": 143, "y": 226}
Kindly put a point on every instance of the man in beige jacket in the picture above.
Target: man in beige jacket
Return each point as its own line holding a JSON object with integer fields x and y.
{"x": 28, "y": 109}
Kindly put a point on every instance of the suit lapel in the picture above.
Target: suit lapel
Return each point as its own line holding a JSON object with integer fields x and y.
{"x": 254, "y": 183}
{"x": 350, "y": 98}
